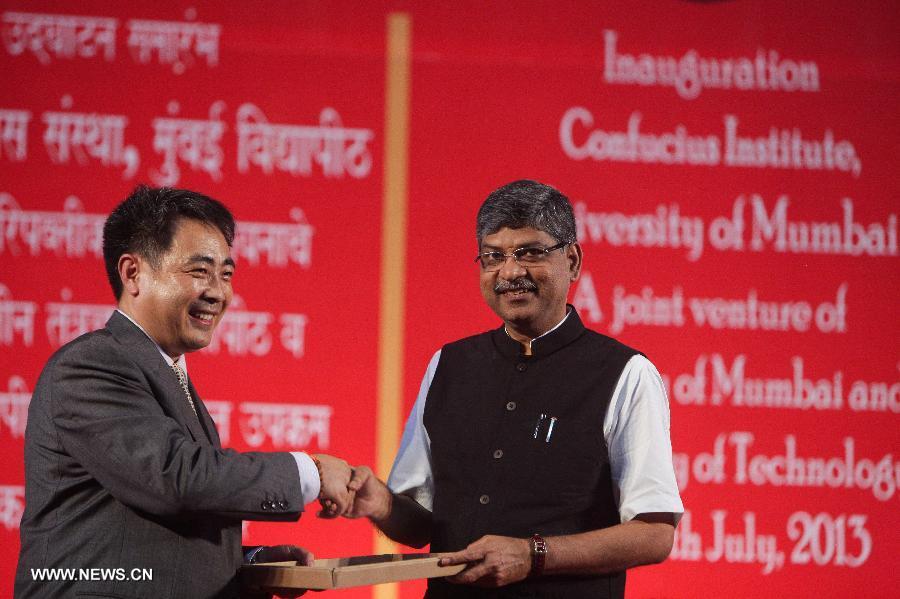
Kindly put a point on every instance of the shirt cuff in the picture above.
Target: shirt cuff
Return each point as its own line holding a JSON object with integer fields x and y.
{"x": 309, "y": 476}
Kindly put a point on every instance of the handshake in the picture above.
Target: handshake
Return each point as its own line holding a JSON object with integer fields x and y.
{"x": 352, "y": 492}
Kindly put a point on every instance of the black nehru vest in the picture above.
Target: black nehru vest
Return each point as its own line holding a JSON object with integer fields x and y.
{"x": 498, "y": 469}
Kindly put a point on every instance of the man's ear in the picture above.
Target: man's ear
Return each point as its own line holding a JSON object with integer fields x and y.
{"x": 130, "y": 267}
{"x": 574, "y": 256}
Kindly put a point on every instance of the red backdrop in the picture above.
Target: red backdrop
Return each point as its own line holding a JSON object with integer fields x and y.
{"x": 730, "y": 163}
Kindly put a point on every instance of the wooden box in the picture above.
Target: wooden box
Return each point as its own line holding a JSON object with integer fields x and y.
{"x": 343, "y": 572}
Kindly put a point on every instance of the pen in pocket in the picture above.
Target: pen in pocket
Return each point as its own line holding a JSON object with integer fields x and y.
{"x": 553, "y": 420}
{"x": 537, "y": 425}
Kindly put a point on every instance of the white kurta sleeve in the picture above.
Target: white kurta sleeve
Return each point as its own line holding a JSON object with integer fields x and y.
{"x": 636, "y": 429}
{"x": 411, "y": 473}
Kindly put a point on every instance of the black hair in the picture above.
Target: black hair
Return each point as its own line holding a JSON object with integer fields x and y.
{"x": 144, "y": 224}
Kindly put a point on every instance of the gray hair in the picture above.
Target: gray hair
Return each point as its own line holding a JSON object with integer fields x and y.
{"x": 526, "y": 203}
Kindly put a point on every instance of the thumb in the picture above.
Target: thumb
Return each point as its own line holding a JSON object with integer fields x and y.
{"x": 360, "y": 475}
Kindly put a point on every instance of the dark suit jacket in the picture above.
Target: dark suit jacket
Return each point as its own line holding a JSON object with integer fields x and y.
{"x": 120, "y": 473}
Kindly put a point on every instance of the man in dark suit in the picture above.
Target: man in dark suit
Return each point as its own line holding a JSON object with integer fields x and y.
{"x": 125, "y": 474}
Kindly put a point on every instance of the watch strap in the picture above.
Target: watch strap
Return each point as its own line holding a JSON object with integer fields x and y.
{"x": 538, "y": 554}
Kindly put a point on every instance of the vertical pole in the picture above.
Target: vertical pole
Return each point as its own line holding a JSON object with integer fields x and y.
{"x": 393, "y": 260}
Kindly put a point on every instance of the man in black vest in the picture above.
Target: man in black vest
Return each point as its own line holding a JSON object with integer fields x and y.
{"x": 537, "y": 453}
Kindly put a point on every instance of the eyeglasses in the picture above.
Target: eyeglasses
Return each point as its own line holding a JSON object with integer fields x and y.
{"x": 525, "y": 256}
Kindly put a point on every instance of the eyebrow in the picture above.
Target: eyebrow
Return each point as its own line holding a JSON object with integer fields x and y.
{"x": 209, "y": 260}
{"x": 528, "y": 244}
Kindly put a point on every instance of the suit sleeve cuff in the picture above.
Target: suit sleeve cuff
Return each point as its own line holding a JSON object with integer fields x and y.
{"x": 309, "y": 476}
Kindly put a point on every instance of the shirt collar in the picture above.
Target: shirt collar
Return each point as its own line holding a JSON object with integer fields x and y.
{"x": 565, "y": 331}
{"x": 558, "y": 324}
{"x": 180, "y": 361}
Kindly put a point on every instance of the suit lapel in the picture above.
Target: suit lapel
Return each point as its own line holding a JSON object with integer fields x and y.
{"x": 147, "y": 356}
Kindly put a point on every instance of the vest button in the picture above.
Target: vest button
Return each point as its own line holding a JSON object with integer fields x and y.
{"x": 498, "y": 453}
{"x": 511, "y": 406}
{"x": 521, "y": 366}
{"x": 484, "y": 500}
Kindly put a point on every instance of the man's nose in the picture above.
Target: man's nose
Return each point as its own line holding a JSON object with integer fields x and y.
{"x": 217, "y": 289}
{"x": 511, "y": 269}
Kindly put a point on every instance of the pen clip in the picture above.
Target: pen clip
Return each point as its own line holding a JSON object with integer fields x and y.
{"x": 537, "y": 425}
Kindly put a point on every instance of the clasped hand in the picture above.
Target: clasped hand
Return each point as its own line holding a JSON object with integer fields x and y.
{"x": 350, "y": 492}
{"x": 339, "y": 483}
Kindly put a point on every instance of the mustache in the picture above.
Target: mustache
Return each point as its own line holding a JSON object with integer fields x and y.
{"x": 520, "y": 284}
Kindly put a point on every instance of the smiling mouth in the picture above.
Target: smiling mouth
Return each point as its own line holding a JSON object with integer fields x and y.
{"x": 205, "y": 318}
{"x": 514, "y": 295}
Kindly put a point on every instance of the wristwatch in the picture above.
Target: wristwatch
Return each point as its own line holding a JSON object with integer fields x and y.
{"x": 538, "y": 554}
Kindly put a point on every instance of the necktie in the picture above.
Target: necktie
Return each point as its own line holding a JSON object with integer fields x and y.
{"x": 182, "y": 380}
